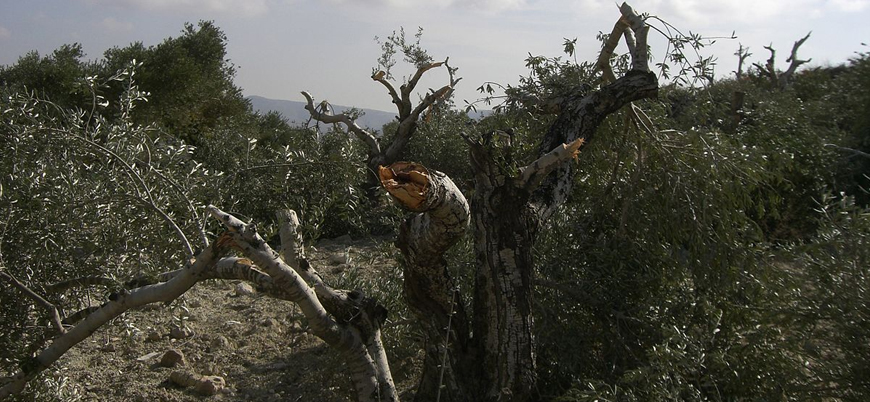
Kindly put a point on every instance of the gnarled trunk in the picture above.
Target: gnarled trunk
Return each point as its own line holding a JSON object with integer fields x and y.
{"x": 504, "y": 233}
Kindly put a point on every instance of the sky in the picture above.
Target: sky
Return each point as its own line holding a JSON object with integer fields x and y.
{"x": 328, "y": 47}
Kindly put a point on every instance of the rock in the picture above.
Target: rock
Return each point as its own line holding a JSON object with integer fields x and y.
{"x": 149, "y": 356}
{"x": 338, "y": 258}
{"x": 204, "y": 385}
{"x": 172, "y": 358}
{"x": 244, "y": 289}
{"x": 180, "y": 332}
{"x": 220, "y": 342}
{"x": 269, "y": 322}
{"x": 153, "y": 336}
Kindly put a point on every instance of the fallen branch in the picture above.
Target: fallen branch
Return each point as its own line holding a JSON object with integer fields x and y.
{"x": 351, "y": 341}
{"x": 165, "y": 292}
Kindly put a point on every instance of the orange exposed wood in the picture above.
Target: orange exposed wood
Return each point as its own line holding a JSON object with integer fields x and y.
{"x": 406, "y": 181}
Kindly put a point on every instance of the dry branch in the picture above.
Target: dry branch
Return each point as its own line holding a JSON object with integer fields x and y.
{"x": 408, "y": 118}
{"x": 351, "y": 341}
{"x": 165, "y": 292}
{"x": 324, "y": 117}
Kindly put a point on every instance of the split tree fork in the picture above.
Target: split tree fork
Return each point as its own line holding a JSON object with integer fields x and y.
{"x": 408, "y": 117}
{"x": 491, "y": 357}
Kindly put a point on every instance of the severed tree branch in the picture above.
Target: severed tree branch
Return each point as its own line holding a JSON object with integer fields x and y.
{"x": 408, "y": 117}
{"x": 794, "y": 62}
{"x": 166, "y": 292}
{"x": 581, "y": 114}
{"x": 352, "y": 342}
{"x": 440, "y": 217}
{"x": 532, "y": 174}
{"x": 635, "y": 38}
{"x": 359, "y": 342}
{"x": 782, "y": 80}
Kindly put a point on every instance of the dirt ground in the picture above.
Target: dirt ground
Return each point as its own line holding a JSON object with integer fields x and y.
{"x": 257, "y": 344}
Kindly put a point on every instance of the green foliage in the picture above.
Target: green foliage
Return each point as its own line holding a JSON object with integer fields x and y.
{"x": 84, "y": 196}
{"x": 695, "y": 265}
{"x": 189, "y": 80}
{"x": 412, "y": 51}
{"x": 703, "y": 261}
{"x": 60, "y": 76}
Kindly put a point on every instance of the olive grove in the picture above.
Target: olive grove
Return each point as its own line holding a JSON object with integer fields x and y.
{"x": 610, "y": 236}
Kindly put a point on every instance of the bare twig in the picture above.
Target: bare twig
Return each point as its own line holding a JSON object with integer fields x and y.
{"x": 53, "y": 314}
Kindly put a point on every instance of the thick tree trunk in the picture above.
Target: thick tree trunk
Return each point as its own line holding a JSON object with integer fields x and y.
{"x": 504, "y": 233}
{"x": 440, "y": 219}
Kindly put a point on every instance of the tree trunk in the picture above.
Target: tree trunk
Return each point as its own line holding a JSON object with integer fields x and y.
{"x": 504, "y": 233}
{"x": 440, "y": 219}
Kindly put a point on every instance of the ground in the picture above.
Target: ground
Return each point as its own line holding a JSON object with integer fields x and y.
{"x": 257, "y": 344}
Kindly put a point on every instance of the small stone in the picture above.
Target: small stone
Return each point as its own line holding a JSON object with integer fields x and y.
{"x": 269, "y": 322}
{"x": 153, "y": 336}
{"x": 220, "y": 342}
{"x": 180, "y": 332}
{"x": 338, "y": 258}
{"x": 244, "y": 289}
{"x": 172, "y": 358}
{"x": 210, "y": 385}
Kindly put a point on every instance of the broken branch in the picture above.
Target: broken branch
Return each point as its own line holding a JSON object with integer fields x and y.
{"x": 367, "y": 137}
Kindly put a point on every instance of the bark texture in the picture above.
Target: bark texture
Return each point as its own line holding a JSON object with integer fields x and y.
{"x": 441, "y": 216}
{"x": 509, "y": 206}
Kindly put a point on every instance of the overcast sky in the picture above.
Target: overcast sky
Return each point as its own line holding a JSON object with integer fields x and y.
{"x": 327, "y": 47}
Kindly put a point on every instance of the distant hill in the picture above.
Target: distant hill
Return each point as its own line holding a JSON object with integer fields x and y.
{"x": 295, "y": 112}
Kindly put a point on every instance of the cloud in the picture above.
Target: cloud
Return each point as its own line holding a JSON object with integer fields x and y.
{"x": 480, "y": 5}
{"x": 112, "y": 24}
{"x": 850, "y": 5}
{"x": 244, "y": 8}
{"x": 4, "y": 33}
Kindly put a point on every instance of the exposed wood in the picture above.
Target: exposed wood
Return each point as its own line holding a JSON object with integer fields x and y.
{"x": 534, "y": 173}
{"x": 408, "y": 118}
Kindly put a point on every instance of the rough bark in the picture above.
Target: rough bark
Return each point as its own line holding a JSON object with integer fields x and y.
{"x": 510, "y": 205}
{"x": 441, "y": 216}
